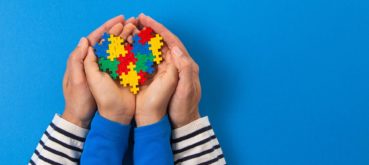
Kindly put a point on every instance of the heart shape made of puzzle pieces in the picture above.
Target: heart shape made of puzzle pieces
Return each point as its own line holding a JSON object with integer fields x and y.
{"x": 131, "y": 63}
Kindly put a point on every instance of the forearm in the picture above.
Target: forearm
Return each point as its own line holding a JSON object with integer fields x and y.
{"x": 62, "y": 143}
{"x": 196, "y": 143}
{"x": 152, "y": 144}
{"x": 106, "y": 142}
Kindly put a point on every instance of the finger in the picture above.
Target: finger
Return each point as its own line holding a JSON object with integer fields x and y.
{"x": 65, "y": 78}
{"x": 170, "y": 79}
{"x": 95, "y": 36}
{"x": 165, "y": 52}
{"x": 169, "y": 37}
{"x": 168, "y": 57}
{"x": 184, "y": 65}
{"x": 75, "y": 63}
{"x": 116, "y": 29}
{"x": 90, "y": 64}
{"x": 131, "y": 20}
{"x": 127, "y": 30}
{"x": 130, "y": 39}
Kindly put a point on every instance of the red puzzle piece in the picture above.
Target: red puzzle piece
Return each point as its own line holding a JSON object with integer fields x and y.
{"x": 145, "y": 35}
{"x": 143, "y": 78}
{"x": 124, "y": 61}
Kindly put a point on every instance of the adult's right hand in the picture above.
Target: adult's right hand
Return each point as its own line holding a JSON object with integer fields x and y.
{"x": 184, "y": 105}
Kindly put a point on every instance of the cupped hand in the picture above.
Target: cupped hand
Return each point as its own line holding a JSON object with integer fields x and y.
{"x": 183, "y": 106}
{"x": 79, "y": 102}
{"x": 153, "y": 97}
{"x": 114, "y": 101}
{"x": 152, "y": 100}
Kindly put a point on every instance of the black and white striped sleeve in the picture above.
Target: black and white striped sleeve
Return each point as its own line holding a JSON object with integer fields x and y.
{"x": 196, "y": 143}
{"x": 61, "y": 143}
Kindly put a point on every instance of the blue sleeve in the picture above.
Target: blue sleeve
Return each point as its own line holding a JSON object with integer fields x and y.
{"x": 152, "y": 144}
{"x": 106, "y": 143}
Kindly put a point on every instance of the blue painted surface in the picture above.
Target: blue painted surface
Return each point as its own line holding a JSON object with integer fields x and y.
{"x": 284, "y": 82}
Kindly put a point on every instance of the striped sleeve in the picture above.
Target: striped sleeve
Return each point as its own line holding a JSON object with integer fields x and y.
{"x": 196, "y": 143}
{"x": 61, "y": 143}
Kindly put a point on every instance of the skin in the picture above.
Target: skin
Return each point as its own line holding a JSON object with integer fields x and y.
{"x": 183, "y": 106}
{"x": 175, "y": 87}
{"x": 153, "y": 99}
{"x": 80, "y": 105}
{"x": 114, "y": 101}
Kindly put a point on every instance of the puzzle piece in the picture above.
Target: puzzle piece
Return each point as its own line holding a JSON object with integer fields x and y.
{"x": 155, "y": 45}
{"x": 132, "y": 63}
{"x": 145, "y": 35}
{"x": 150, "y": 67}
{"x": 141, "y": 64}
{"x": 116, "y": 47}
{"x": 143, "y": 77}
{"x": 140, "y": 48}
{"x": 101, "y": 47}
{"x": 131, "y": 78}
{"x": 124, "y": 61}
{"x": 111, "y": 66}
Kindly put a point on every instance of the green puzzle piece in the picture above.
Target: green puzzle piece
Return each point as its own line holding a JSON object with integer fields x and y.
{"x": 107, "y": 65}
{"x": 141, "y": 63}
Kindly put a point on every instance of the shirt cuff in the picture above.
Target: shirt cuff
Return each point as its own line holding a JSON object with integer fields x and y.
{"x": 69, "y": 127}
{"x": 191, "y": 127}
{"x": 158, "y": 128}
{"x": 111, "y": 130}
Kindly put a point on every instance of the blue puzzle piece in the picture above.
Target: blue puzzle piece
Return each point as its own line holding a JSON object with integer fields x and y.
{"x": 150, "y": 68}
{"x": 101, "y": 48}
{"x": 106, "y": 37}
{"x": 136, "y": 38}
{"x": 142, "y": 49}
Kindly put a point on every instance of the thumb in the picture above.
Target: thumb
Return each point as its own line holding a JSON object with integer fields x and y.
{"x": 170, "y": 79}
{"x": 184, "y": 65}
{"x": 90, "y": 64}
{"x": 75, "y": 61}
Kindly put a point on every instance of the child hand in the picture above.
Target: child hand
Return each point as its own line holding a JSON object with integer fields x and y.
{"x": 152, "y": 100}
{"x": 183, "y": 106}
{"x": 114, "y": 102}
{"x": 79, "y": 103}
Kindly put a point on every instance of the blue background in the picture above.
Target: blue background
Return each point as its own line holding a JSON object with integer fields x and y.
{"x": 284, "y": 81}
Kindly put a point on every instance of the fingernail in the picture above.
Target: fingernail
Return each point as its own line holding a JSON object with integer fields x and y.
{"x": 80, "y": 41}
{"x": 176, "y": 51}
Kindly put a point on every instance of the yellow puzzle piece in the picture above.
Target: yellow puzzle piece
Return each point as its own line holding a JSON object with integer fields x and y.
{"x": 131, "y": 78}
{"x": 155, "y": 45}
{"x": 116, "y": 47}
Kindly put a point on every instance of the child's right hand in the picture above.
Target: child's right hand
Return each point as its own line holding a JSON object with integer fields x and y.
{"x": 114, "y": 101}
{"x": 184, "y": 104}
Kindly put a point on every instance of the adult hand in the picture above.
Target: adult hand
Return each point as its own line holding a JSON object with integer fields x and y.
{"x": 114, "y": 102}
{"x": 79, "y": 103}
{"x": 183, "y": 106}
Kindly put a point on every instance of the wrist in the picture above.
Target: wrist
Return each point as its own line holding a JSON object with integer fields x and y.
{"x": 70, "y": 117}
{"x": 185, "y": 119}
{"x": 119, "y": 118}
{"x": 143, "y": 120}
